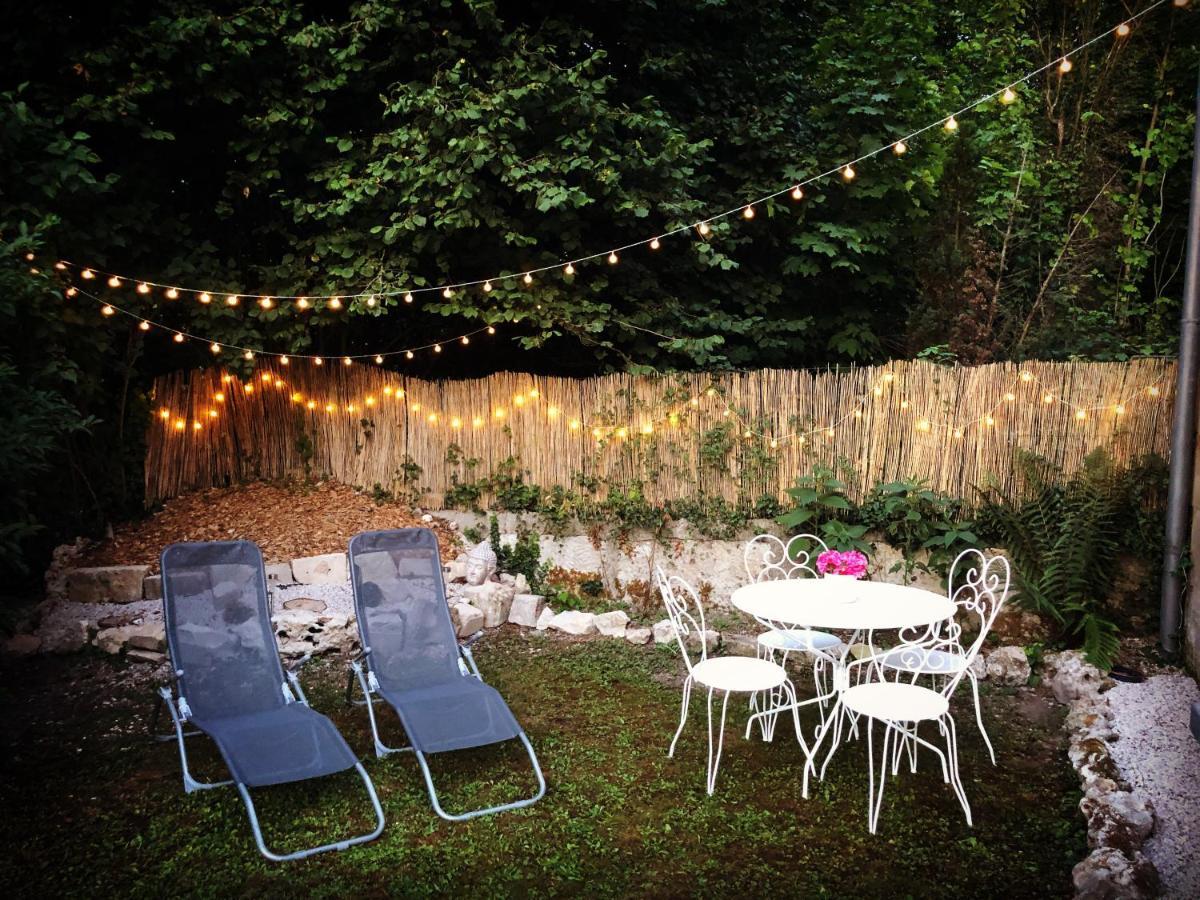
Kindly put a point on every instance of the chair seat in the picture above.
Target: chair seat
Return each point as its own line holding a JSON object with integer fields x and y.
{"x": 739, "y": 673}
{"x": 799, "y": 639}
{"x": 277, "y": 746}
{"x": 924, "y": 662}
{"x": 453, "y": 715}
{"x": 891, "y": 701}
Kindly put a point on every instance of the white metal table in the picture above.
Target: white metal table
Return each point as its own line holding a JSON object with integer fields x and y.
{"x": 842, "y": 604}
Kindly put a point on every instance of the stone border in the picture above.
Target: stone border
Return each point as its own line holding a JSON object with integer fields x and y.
{"x": 1119, "y": 820}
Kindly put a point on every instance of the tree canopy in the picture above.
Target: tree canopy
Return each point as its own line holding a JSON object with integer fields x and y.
{"x": 323, "y": 147}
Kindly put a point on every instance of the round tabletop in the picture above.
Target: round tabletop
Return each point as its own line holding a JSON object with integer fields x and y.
{"x": 844, "y": 604}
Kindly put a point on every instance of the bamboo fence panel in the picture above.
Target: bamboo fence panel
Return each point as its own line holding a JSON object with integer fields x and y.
{"x": 365, "y": 423}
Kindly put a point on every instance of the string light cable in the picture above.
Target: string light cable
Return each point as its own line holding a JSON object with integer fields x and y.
{"x": 846, "y": 170}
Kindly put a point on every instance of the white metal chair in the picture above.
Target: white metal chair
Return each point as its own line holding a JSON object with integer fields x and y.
{"x": 767, "y": 558}
{"x": 727, "y": 674}
{"x": 901, "y": 706}
{"x": 967, "y": 595}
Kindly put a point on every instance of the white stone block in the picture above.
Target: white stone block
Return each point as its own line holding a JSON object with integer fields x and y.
{"x": 574, "y": 622}
{"x": 330, "y": 568}
{"x": 637, "y": 634}
{"x": 106, "y": 584}
{"x": 279, "y": 574}
{"x": 467, "y": 619}
{"x": 544, "y": 619}
{"x": 612, "y": 624}
{"x": 664, "y": 632}
{"x": 526, "y": 609}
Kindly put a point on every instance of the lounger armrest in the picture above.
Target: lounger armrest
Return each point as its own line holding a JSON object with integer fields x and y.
{"x": 471, "y": 640}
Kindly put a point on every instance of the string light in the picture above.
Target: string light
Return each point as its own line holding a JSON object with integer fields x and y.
{"x": 378, "y": 359}
{"x": 143, "y": 288}
{"x": 233, "y": 300}
{"x": 205, "y": 298}
{"x": 703, "y": 228}
{"x": 346, "y": 360}
{"x": 87, "y": 274}
{"x": 447, "y": 293}
{"x": 797, "y": 193}
{"x": 408, "y": 354}
{"x": 335, "y": 302}
{"x": 172, "y": 294}
{"x": 437, "y": 348}
{"x": 408, "y": 298}
{"x": 1123, "y": 30}
{"x": 465, "y": 340}
{"x": 284, "y": 361}
{"x": 748, "y": 212}
{"x": 487, "y": 287}
{"x": 899, "y": 148}
{"x": 1119, "y": 409}
{"x": 1009, "y": 96}
{"x": 848, "y": 172}
{"x": 302, "y": 303}
{"x": 654, "y": 245}
{"x": 266, "y": 302}
{"x": 1065, "y": 66}
{"x": 528, "y": 279}
{"x": 144, "y": 325}
{"x": 1152, "y": 390}
{"x": 108, "y": 310}
{"x": 570, "y": 269}
{"x": 71, "y": 291}
{"x": 951, "y": 124}
{"x": 612, "y": 258}
{"x": 371, "y": 302}
{"x": 114, "y": 282}
{"x": 317, "y": 361}
{"x": 1080, "y": 414}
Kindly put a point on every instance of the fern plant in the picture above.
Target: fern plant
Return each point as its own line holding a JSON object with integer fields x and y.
{"x": 1064, "y": 536}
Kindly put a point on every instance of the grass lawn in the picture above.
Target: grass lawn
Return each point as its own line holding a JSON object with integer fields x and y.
{"x": 92, "y": 807}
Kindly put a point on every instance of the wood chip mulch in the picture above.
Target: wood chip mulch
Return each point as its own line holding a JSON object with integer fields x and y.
{"x": 286, "y": 521}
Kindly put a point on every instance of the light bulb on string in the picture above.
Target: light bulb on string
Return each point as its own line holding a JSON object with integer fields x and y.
{"x": 180, "y": 424}
{"x": 491, "y": 330}
{"x": 378, "y": 360}
{"x": 143, "y": 288}
{"x": 87, "y": 274}
{"x": 487, "y": 287}
{"x": 1152, "y": 390}
{"x": 899, "y": 148}
{"x": 144, "y": 325}
{"x": 1119, "y": 409}
{"x": 114, "y": 282}
{"x": 107, "y": 310}
{"x": 1065, "y": 66}
{"x": 172, "y": 293}
{"x": 1123, "y": 30}
{"x": 408, "y": 297}
{"x": 1009, "y": 397}
{"x": 214, "y": 347}
{"x": 302, "y": 303}
{"x": 1009, "y": 96}
{"x": 205, "y": 297}
{"x": 437, "y": 348}
{"x": 570, "y": 269}
{"x": 283, "y": 361}
{"x": 371, "y": 301}
{"x": 465, "y": 340}
{"x": 477, "y": 422}
{"x": 335, "y": 302}
{"x": 797, "y": 193}
{"x": 61, "y": 266}
{"x": 311, "y": 404}
{"x": 951, "y": 124}
{"x": 1027, "y": 376}
{"x": 408, "y": 354}
{"x": 447, "y": 293}
{"x": 989, "y": 421}
{"x": 612, "y": 258}
{"x": 317, "y": 361}
{"x": 958, "y": 432}
{"x": 703, "y": 228}
{"x": 233, "y": 300}
{"x": 71, "y": 291}
{"x": 1047, "y": 398}
{"x": 164, "y": 414}
{"x": 848, "y": 172}
{"x": 748, "y": 212}
{"x": 248, "y": 355}
{"x": 346, "y": 360}
{"x": 654, "y": 244}
{"x": 1080, "y": 415}
{"x": 266, "y": 302}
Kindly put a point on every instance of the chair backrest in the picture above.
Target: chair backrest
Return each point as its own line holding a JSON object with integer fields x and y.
{"x": 686, "y": 613}
{"x": 400, "y": 602}
{"x": 978, "y": 589}
{"x": 769, "y": 558}
{"x": 218, "y": 626}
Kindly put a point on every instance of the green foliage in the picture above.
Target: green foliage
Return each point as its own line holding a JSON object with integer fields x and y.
{"x": 523, "y": 557}
{"x": 1064, "y": 537}
{"x": 915, "y": 517}
{"x": 820, "y": 506}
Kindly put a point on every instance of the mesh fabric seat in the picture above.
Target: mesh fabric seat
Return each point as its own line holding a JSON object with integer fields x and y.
{"x": 414, "y": 661}
{"x": 230, "y": 682}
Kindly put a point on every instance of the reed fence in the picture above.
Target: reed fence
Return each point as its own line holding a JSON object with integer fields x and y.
{"x": 737, "y": 435}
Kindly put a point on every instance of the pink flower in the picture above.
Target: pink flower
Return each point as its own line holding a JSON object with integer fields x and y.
{"x": 834, "y": 562}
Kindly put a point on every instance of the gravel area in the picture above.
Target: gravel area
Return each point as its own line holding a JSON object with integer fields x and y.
{"x": 1159, "y": 757}
{"x": 337, "y": 598}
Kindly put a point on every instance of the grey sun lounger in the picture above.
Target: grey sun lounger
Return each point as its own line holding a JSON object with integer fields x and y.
{"x": 230, "y": 684}
{"x": 412, "y": 660}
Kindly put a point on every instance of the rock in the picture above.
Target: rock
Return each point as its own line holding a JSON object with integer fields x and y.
{"x": 978, "y": 667}
{"x": 1092, "y": 760}
{"x": 1015, "y": 625}
{"x": 279, "y": 574}
{"x": 21, "y": 645}
{"x": 521, "y": 583}
{"x": 493, "y": 599}
{"x": 456, "y": 571}
{"x": 148, "y": 656}
{"x": 664, "y": 632}
{"x": 330, "y": 568}
{"x": 743, "y": 644}
{"x": 62, "y": 560}
{"x": 1089, "y": 717}
{"x": 638, "y": 634}
{"x": 148, "y": 636}
{"x": 711, "y": 639}
{"x": 1072, "y": 677}
{"x": 526, "y": 609}
{"x": 1119, "y": 819}
{"x": 302, "y": 631}
{"x": 66, "y": 639}
{"x": 152, "y": 587}
{"x": 574, "y": 622}
{"x": 506, "y": 578}
{"x": 106, "y": 584}
{"x": 544, "y": 619}
{"x": 1008, "y": 666}
{"x": 466, "y": 618}
{"x": 427, "y": 518}
{"x": 118, "y": 621}
{"x": 612, "y": 624}
{"x": 1108, "y": 874}
{"x": 311, "y": 604}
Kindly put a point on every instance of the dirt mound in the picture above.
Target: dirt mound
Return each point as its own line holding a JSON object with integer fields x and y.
{"x": 286, "y": 521}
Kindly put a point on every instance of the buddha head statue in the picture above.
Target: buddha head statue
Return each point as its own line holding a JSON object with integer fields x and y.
{"x": 481, "y": 563}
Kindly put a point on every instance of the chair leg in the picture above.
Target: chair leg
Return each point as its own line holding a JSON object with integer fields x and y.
{"x": 979, "y": 714}
{"x": 381, "y": 749}
{"x": 503, "y": 807}
{"x": 952, "y": 758}
{"x": 714, "y": 759}
{"x": 874, "y": 799}
{"x": 790, "y": 694}
{"x": 687, "y": 696}
{"x": 312, "y": 851}
{"x": 190, "y": 784}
